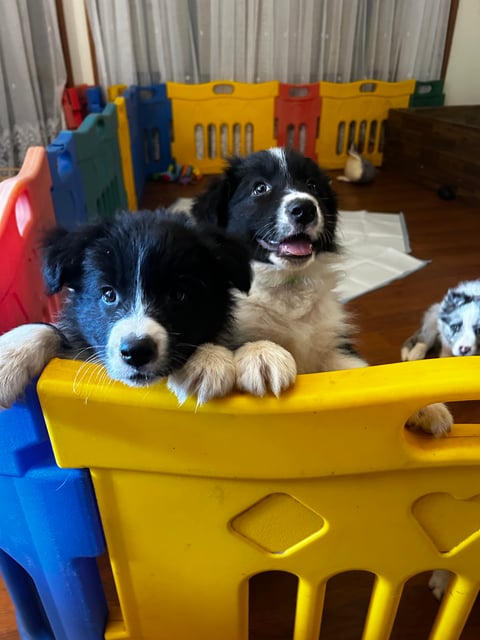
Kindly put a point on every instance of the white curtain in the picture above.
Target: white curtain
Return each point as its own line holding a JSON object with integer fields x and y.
{"x": 144, "y": 41}
{"x": 32, "y": 77}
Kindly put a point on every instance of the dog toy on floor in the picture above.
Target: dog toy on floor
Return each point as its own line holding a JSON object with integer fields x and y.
{"x": 450, "y": 327}
{"x": 182, "y": 173}
{"x": 357, "y": 168}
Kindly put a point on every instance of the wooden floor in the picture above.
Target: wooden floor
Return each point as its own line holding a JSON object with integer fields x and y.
{"x": 447, "y": 233}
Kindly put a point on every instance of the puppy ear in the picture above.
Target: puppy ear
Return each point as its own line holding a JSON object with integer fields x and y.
{"x": 233, "y": 257}
{"x": 63, "y": 254}
{"x": 452, "y": 300}
{"x": 212, "y": 205}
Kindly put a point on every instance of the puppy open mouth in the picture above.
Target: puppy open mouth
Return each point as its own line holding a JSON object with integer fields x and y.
{"x": 298, "y": 246}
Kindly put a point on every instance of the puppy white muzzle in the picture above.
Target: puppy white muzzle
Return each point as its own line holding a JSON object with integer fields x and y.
{"x": 137, "y": 351}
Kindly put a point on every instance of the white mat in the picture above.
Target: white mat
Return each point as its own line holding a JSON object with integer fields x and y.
{"x": 375, "y": 246}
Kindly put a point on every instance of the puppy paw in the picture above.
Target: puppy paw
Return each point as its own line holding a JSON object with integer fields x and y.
{"x": 438, "y": 582}
{"x": 416, "y": 351}
{"x": 262, "y": 366}
{"x": 24, "y": 352}
{"x": 435, "y": 419}
{"x": 208, "y": 373}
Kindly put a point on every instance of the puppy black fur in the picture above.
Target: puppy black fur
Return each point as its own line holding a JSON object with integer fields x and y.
{"x": 142, "y": 293}
{"x": 183, "y": 274}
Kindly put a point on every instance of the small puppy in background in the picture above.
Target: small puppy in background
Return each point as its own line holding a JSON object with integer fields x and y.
{"x": 144, "y": 292}
{"x": 450, "y": 327}
{"x": 292, "y": 321}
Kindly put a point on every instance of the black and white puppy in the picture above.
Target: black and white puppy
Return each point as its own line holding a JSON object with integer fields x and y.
{"x": 143, "y": 292}
{"x": 291, "y": 322}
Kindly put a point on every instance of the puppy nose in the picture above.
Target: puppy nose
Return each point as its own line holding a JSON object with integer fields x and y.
{"x": 138, "y": 351}
{"x": 303, "y": 211}
{"x": 464, "y": 351}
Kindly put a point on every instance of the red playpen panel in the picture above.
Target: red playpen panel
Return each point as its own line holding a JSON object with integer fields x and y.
{"x": 297, "y": 116}
{"x": 26, "y": 211}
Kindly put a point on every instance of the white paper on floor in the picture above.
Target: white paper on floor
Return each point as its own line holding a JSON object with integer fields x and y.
{"x": 376, "y": 248}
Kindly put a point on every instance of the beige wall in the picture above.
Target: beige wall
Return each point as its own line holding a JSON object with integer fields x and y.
{"x": 462, "y": 82}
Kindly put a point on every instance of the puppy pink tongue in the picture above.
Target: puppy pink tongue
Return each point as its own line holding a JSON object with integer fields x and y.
{"x": 295, "y": 247}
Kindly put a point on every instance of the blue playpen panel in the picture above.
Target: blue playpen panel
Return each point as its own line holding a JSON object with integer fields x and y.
{"x": 50, "y": 533}
{"x": 98, "y": 157}
{"x": 95, "y": 101}
{"x": 156, "y": 122}
{"x": 24, "y": 441}
{"x": 68, "y": 194}
{"x": 50, "y": 536}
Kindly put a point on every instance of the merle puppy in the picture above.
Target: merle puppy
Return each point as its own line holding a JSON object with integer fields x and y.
{"x": 143, "y": 292}
{"x": 450, "y": 327}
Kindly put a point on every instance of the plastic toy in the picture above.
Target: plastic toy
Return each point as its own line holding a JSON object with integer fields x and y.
{"x": 184, "y": 174}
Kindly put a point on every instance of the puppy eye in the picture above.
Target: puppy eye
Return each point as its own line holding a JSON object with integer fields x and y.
{"x": 456, "y": 327}
{"x": 109, "y": 295}
{"x": 259, "y": 188}
{"x": 477, "y": 331}
{"x": 312, "y": 185}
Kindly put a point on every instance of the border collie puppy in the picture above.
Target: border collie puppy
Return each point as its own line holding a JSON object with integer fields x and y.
{"x": 450, "y": 327}
{"x": 142, "y": 293}
{"x": 283, "y": 206}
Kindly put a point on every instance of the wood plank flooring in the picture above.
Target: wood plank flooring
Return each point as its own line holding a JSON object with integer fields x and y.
{"x": 447, "y": 233}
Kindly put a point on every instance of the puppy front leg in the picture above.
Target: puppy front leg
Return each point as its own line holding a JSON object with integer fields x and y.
{"x": 24, "y": 352}
{"x": 208, "y": 373}
{"x": 264, "y": 365}
{"x": 435, "y": 419}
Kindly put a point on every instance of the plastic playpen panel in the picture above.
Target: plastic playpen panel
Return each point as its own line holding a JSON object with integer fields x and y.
{"x": 99, "y": 163}
{"x": 26, "y": 212}
{"x": 149, "y": 114}
{"x": 196, "y": 502}
{"x": 355, "y": 113}
{"x": 155, "y": 118}
{"x": 126, "y": 152}
{"x": 215, "y": 120}
{"x": 297, "y": 117}
{"x": 68, "y": 193}
{"x": 428, "y": 94}
{"x": 50, "y": 531}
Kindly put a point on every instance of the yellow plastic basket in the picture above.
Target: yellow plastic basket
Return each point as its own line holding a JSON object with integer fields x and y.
{"x": 324, "y": 480}
{"x": 215, "y": 120}
{"x": 355, "y": 113}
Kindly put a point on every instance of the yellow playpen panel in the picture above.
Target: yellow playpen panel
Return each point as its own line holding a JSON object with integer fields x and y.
{"x": 126, "y": 152}
{"x": 355, "y": 113}
{"x": 115, "y": 90}
{"x": 324, "y": 480}
{"x": 215, "y": 120}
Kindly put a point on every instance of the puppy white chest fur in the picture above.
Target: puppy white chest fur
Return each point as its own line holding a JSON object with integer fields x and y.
{"x": 297, "y": 310}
